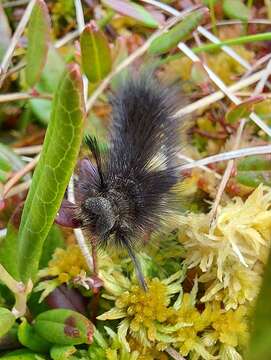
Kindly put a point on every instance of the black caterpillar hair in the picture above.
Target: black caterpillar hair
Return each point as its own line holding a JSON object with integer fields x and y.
{"x": 128, "y": 192}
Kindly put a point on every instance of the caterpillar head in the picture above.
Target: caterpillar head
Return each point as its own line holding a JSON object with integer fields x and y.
{"x": 99, "y": 216}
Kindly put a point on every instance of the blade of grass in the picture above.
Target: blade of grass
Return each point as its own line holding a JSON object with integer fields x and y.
{"x": 235, "y": 41}
{"x": 235, "y": 154}
{"x": 211, "y": 47}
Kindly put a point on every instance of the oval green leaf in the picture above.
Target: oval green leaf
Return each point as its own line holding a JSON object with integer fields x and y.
{"x": 169, "y": 40}
{"x": 38, "y": 42}
{"x": 236, "y": 9}
{"x": 7, "y": 319}
{"x": 64, "y": 327}
{"x": 58, "y": 158}
{"x": 242, "y": 110}
{"x": 22, "y": 354}
{"x": 30, "y": 339}
{"x": 95, "y": 53}
{"x": 133, "y": 10}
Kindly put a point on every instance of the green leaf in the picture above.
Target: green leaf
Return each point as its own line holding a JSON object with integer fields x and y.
{"x": 133, "y": 10}
{"x": 259, "y": 347}
{"x": 38, "y": 42}
{"x": 254, "y": 171}
{"x": 22, "y": 354}
{"x": 9, "y": 245}
{"x": 7, "y": 319}
{"x": 236, "y": 9}
{"x": 242, "y": 110}
{"x": 58, "y": 157}
{"x": 95, "y": 53}
{"x": 50, "y": 78}
{"x": 30, "y": 339}
{"x": 169, "y": 40}
{"x": 64, "y": 327}
{"x": 59, "y": 352}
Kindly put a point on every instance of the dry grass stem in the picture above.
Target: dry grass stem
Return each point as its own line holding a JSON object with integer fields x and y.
{"x": 19, "y": 174}
{"x": 235, "y": 154}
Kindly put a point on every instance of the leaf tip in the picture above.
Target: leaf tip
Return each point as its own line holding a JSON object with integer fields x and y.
{"x": 92, "y": 26}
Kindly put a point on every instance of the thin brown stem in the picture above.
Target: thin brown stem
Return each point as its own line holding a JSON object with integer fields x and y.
{"x": 15, "y": 190}
{"x": 227, "y": 173}
{"x": 19, "y": 174}
{"x": 23, "y": 96}
{"x": 94, "y": 256}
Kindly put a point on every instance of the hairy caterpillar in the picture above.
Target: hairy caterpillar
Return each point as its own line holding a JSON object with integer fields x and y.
{"x": 129, "y": 190}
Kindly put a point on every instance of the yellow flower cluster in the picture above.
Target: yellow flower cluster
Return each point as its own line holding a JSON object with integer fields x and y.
{"x": 231, "y": 253}
{"x": 145, "y": 308}
{"x": 150, "y": 323}
{"x": 193, "y": 322}
{"x": 144, "y": 312}
{"x": 230, "y": 327}
{"x": 203, "y": 333}
{"x": 65, "y": 264}
{"x": 146, "y": 353}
